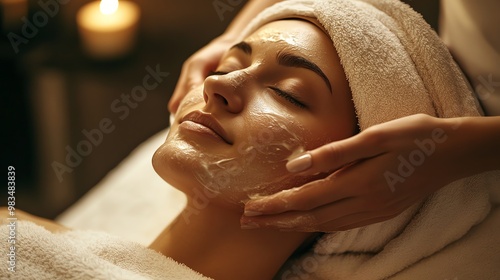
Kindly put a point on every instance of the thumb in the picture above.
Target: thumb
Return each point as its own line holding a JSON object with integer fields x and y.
{"x": 333, "y": 156}
{"x": 184, "y": 85}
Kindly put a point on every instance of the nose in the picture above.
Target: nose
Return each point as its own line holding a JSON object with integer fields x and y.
{"x": 225, "y": 91}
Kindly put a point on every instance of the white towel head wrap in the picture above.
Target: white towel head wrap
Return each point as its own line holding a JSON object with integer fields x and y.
{"x": 394, "y": 68}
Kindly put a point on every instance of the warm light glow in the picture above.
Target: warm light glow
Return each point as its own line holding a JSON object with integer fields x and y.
{"x": 109, "y": 7}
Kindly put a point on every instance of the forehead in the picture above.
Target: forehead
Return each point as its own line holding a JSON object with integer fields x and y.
{"x": 297, "y": 35}
{"x": 291, "y": 31}
{"x": 276, "y": 33}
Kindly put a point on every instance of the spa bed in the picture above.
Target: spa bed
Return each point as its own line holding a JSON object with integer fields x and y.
{"x": 132, "y": 201}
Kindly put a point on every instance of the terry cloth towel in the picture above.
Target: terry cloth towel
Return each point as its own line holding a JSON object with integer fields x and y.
{"x": 397, "y": 66}
{"x": 82, "y": 255}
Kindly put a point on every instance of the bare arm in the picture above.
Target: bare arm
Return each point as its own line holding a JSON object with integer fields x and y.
{"x": 479, "y": 148}
{"x": 23, "y": 216}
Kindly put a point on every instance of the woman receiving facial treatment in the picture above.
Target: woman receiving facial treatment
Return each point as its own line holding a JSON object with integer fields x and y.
{"x": 271, "y": 97}
{"x": 303, "y": 74}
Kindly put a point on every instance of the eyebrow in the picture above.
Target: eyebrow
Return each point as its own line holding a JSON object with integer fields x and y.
{"x": 290, "y": 60}
{"x": 243, "y": 46}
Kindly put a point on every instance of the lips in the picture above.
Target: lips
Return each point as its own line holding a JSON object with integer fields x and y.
{"x": 206, "y": 119}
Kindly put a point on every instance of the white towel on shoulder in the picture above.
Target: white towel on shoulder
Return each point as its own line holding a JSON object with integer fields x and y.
{"x": 83, "y": 255}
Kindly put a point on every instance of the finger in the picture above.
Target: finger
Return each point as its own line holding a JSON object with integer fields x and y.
{"x": 306, "y": 220}
{"x": 296, "y": 221}
{"x": 192, "y": 75}
{"x": 173, "y": 104}
{"x": 365, "y": 218}
{"x": 309, "y": 196}
{"x": 342, "y": 215}
{"x": 185, "y": 84}
{"x": 176, "y": 98}
{"x": 334, "y": 155}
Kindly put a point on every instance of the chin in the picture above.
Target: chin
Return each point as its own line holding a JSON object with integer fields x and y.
{"x": 173, "y": 163}
{"x": 230, "y": 176}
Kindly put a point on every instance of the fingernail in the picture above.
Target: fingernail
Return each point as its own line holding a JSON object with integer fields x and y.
{"x": 249, "y": 225}
{"x": 250, "y": 213}
{"x": 300, "y": 163}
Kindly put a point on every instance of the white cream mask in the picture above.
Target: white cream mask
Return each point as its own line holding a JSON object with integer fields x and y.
{"x": 253, "y": 165}
{"x": 258, "y": 168}
{"x": 276, "y": 37}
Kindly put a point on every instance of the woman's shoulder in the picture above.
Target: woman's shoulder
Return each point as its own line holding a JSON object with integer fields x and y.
{"x": 12, "y": 216}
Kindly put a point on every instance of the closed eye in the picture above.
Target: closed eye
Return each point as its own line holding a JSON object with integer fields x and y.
{"x": 289, "y": 97}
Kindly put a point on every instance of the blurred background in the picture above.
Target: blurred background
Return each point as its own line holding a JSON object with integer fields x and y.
{"x": 54, "y": 96}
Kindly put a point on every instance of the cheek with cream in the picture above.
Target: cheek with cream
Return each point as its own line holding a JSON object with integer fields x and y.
{"x": 257, "y": 166}
{"x": 254, "y": 165}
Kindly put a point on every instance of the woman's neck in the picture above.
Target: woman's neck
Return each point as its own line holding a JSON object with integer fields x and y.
{"x": 210, "y": 241}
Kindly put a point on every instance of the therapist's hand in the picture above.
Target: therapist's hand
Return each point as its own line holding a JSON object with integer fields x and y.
{"x": 378, "y": 174}
{"x": 197, "y": 67}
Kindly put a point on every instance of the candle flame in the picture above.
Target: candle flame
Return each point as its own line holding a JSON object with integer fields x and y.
{"x": 109, "y": 7}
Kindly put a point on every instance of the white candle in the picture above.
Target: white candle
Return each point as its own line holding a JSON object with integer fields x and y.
{"x": 108, "y": 28}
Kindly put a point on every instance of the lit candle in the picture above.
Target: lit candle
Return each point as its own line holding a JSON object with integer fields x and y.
{"x": 108, "y": 28}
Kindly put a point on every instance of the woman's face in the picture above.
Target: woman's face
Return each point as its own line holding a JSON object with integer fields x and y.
{"x": 278, "y": 93}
